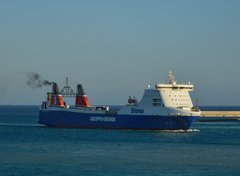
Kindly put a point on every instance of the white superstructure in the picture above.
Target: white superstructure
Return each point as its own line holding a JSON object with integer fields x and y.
{"x": 175, "y": 95}
{"x": 166, "y": 99}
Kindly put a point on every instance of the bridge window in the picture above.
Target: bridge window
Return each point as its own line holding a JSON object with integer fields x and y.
{"x": 157, "y": 104}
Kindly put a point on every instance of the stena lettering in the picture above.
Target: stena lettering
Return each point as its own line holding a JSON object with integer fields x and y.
{"x": 137, "y": 111}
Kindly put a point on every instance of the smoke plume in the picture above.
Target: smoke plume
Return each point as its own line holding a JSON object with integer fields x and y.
{"x": 34, "y": 80}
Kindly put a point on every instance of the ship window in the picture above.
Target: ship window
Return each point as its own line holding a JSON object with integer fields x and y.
{"x": 157, "y": 104}
{"x": 156, "y": 100}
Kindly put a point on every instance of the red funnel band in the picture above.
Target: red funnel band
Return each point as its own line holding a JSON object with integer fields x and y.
{"x": 57, "y": 100}
{"x": 82, "y": 101}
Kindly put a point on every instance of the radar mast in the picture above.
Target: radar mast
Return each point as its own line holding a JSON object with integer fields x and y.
{"x": 67, "y": 91}
{"x": 171, "y": 78}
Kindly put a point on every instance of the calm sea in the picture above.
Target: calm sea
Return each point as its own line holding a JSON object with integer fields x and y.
{"x": 27, "y": 148}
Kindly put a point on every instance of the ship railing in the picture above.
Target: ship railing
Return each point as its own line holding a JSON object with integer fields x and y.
{"x": 92, "y": 108}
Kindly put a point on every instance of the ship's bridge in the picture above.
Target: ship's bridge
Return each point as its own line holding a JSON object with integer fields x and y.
{"x": 186, "y": 87}
{"x": 169, "y": 95}
{"x": 176, "y": 95}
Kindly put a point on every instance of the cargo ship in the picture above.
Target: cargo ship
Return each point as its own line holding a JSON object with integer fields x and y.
{"x": 167, "y": 106}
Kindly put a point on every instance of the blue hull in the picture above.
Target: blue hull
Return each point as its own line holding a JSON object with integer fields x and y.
{"x": 68, "y": 119}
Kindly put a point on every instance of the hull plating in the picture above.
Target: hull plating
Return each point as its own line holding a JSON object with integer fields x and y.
{"x": 70, "y": 119}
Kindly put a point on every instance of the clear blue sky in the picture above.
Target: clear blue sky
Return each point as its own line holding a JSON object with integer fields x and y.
{"x": 115, "y": 48}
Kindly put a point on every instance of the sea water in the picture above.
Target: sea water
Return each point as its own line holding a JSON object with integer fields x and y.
{"x": 27, "y": 148}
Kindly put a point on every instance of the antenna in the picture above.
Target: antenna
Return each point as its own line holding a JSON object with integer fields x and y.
{"x": 67, "y": 81}
{"x": 196, "y": 102}
{"x": 171, "y": 78}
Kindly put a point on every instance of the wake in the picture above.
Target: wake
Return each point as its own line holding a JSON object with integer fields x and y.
{"x": 182, "y": 131}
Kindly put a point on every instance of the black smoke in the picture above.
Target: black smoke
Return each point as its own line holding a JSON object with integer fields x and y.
{"x": 34, "y": 80}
